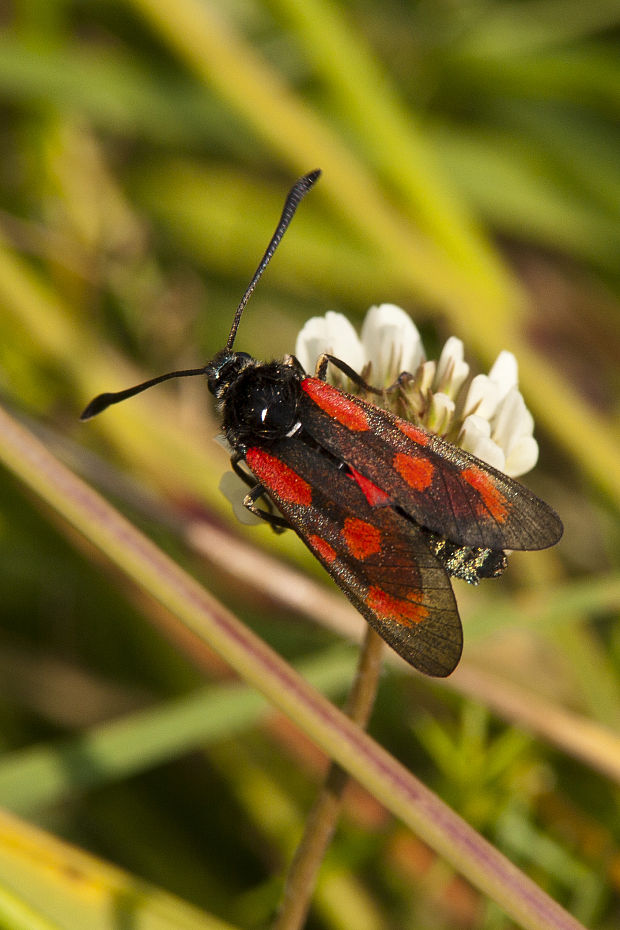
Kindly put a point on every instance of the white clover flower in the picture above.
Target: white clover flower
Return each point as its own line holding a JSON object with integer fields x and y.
{"x": 487, "y": 418}
{"x": 441, "y": 413}
{"x": 482, "y": 397}
{"x": 509, "y": 444}
{"x": 475, "y": 437}
{"x": 451, "y": 369}
{"x": 505, "y": 372}
{"x": 331, "y": 333}
{"x": 390, "y": 343}
{"x": 425, "y": 377}
{"x": 512, "y": 428}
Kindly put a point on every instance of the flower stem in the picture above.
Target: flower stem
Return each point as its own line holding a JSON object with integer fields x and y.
{"x": 323, "y": 817}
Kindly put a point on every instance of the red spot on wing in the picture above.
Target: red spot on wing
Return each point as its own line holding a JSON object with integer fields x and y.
{"x": 278, "y": 477}
{"x": 416, "y": 470}
{"x": 492, "y": 498}
{"x": 362, "y": 538}
{"x": 414, "y": 432}
{"x": 405, "y": 611}
{"x": 373, "y": 494}
{"x": 322, "y": 548}
{"x": 336, "y": 404}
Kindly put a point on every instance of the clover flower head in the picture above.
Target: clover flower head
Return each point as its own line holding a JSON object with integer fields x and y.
{"x": 389, "y": 343}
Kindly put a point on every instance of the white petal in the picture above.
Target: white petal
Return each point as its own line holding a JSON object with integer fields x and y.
{"x": 482, "y": 397}
{"x": 451, "y": 369}
{"x": 452, "y": 353}
{"x": 235, "y": 490}
{"x": 475, "y": 427}
{"x": 426, "y": 376}
{"x": 475, "y": 438}
{"x": 441, "y": 413}
{"x": 505, "y": 372}
{"x": 522, "y": 457}
{"x": 490, "y": 452}
{"x": 391, "y": 343}
{"x": 512, "y": 420}
{"x": 331, "y": 333}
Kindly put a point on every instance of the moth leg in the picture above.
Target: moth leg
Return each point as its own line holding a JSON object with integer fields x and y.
{"x": 321, "y": 372}
{"x": 404, "y": 378}
{"x": 250, "y": 480}
{"x": 293, "y": 362}
{"x": 277, "y": 523}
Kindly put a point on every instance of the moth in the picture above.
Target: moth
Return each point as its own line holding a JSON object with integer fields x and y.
{"x": 390, "y": 510}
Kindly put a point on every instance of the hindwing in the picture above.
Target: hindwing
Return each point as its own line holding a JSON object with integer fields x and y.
{"x": 377, "y": 555}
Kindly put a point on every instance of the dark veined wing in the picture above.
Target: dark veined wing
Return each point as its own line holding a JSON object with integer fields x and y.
{"x": 375, "y": 554}
{"x": 442, "y": 487}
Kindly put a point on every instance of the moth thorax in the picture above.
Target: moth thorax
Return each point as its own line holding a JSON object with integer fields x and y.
{"x": 261, "y": 404}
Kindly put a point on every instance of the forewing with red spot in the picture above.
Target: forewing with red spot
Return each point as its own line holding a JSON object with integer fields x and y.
{"x": 377, "y": 555}
{"x": 442, "y": 487}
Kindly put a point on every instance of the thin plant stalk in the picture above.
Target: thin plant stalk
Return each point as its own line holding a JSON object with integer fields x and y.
{"x": 202, "y": 619}
{"x": 323, "y": 818}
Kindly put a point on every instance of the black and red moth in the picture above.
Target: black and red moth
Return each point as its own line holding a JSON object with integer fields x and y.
{"x": 388, "y": 508}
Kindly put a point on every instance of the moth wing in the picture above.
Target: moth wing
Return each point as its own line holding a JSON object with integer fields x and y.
{"x": 375, "y": 554}
{"x": 442, "y": 487}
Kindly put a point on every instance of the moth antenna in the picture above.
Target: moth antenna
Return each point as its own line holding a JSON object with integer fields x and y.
{"x": 294, "y": 197}
{"x": 103, "y": 401}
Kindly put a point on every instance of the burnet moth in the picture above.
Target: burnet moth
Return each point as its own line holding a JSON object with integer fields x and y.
{"x": 390, "y": 510}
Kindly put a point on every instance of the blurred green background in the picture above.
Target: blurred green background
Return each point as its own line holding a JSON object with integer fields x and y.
{"x": 471, "y": 155}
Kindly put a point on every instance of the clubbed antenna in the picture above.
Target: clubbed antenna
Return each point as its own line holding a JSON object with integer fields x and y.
{"x": 294, "y": 197}
{"x": 296, "y": 194}
{"x": 103, "y": 401}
